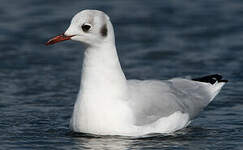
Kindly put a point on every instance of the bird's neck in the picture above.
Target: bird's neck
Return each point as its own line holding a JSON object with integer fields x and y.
{"x": 102, "y": 76}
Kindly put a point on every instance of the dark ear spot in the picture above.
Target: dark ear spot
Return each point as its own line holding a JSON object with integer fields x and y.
{"x": 103, "y": 30}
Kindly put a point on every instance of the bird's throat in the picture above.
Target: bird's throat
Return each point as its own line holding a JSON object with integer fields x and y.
{"x": 102, "y": 76}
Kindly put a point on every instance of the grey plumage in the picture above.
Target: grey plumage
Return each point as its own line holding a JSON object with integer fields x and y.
{"x": 154, "y": 99}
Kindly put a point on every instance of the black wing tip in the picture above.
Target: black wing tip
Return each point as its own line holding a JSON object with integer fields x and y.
{"x": 211, "y": 79}
{"x": 224, "y": 81}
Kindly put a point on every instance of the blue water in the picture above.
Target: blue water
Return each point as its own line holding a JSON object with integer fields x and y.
{"x": 155, "y": 40}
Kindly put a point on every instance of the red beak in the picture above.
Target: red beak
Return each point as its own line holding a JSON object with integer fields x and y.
{"x": 58, "y": 38}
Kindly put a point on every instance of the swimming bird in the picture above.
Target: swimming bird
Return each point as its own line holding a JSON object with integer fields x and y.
{"x": 109, "y": 104}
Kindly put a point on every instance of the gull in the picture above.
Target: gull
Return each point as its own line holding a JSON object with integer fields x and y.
{"x": 109, "y": 104}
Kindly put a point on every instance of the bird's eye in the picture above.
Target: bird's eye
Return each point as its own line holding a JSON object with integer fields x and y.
{"x": 86, "y": 27}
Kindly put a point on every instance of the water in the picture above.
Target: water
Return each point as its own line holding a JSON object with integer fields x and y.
{"x": 155, "y": 40}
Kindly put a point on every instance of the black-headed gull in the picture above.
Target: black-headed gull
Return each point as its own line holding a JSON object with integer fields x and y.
{"x": 109, "y": 104}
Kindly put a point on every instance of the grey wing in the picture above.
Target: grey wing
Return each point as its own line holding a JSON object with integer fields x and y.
{"x": 152, "y": 99}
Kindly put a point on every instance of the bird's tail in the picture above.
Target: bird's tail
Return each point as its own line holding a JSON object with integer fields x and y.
{"x": 216, "y": 81}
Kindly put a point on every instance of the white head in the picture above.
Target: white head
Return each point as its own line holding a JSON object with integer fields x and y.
{"x": 91, "y": 27}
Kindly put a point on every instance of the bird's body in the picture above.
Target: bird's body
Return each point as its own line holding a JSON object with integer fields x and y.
{"x": 109, "y": 104}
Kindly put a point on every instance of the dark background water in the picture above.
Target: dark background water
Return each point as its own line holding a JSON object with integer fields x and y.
{"x": 155, "y": 40}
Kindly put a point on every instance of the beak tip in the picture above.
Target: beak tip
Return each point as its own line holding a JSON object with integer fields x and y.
{"x": 48, "y": 43}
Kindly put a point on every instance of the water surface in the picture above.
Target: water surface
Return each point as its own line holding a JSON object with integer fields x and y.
{"x": 155, "y": 40}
